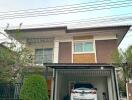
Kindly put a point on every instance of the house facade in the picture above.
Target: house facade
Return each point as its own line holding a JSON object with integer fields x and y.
{"x": 75, "y": 55}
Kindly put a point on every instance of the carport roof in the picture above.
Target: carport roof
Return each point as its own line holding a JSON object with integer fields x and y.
{"x": 78, "y": 65}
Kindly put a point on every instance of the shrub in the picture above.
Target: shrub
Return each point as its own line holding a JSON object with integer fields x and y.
{"x": 34, "y": 88}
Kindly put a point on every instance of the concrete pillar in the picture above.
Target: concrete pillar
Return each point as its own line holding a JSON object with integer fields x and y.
{"x": 56, "y": 51}
{"x": 52, "y": 85}
{"x": 110, "y": 90}
{"x": 56, "y": 87}
{"x": 114, "y": 87}
{"x": 118, "y": 94}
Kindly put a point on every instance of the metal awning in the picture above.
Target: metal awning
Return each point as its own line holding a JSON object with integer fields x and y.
{"x": 79, "y": 65}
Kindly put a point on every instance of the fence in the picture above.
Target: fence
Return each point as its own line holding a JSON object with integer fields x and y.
{"x": 9, "y": 91}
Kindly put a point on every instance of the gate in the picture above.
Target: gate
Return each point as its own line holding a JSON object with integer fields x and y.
{"x": 9, "y": 91}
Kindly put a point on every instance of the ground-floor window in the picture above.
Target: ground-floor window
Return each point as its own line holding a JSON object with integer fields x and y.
{"x": 44, "y": 55}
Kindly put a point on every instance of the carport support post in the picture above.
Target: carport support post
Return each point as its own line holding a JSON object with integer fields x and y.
{"x": 116, "y": 84}
{"x": 56, "y": 85}
{"x": 53, "y": 93}
{"x": 115, "y": 95}
{"x": 46, "y": 73}
{"x": 109, "y": 88}
{"x": 112, "y": 89}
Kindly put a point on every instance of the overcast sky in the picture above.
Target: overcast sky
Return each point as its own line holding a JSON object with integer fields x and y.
{"x": 11, "y": 5}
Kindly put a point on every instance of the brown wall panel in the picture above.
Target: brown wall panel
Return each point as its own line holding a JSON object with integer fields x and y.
{"x": 84, "y": 58}
{"x": 65, "y": 52}
{"x": 83, "y": 37}
{"x": 49, "y": 87}
{"x": 104, "y": 50}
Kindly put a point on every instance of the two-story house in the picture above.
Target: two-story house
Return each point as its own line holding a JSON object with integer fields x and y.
{"x": 75, "y": 55}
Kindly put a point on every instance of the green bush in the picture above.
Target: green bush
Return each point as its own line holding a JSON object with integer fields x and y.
{"x": 34, "y": 88}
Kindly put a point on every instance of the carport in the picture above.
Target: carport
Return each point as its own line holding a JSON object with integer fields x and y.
{"x": 101, "y": 76}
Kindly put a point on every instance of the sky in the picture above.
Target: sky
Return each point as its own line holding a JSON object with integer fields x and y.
{"x": 16, "y": 5}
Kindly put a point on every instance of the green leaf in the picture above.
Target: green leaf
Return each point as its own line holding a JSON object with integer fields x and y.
{"x": 34, "y": 88}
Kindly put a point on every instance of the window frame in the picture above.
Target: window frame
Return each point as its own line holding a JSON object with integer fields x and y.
{"x": 43, "y": 54}
{"x": 83, "y": 41}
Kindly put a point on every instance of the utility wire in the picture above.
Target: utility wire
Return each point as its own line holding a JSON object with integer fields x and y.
{"x": 114, "y": 18}
{"x": 44, "y": 14}
{"x": 89, "y": 23}
{"x": 105, "y": 18}
{"x": 68, "y": 6}
{"x": 84, "y": 20}
{"x": 62, "y": 10}
{"x": 22, "y": 15}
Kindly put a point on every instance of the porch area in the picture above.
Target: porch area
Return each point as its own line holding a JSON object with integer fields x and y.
{"x": 101, "y": 76}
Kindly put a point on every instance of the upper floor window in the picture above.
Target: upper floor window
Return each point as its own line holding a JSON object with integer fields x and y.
{"x": 43, "y": 55}
{"x": 83, "y": 46}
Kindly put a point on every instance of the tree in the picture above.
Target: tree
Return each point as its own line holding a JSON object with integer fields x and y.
{"x": 7, "y": 62}
{"x": 123, "y": 60}
{"x": 13, "y": 60}
{"x": 122, "y": 87}
{"x": 34, "y": 88}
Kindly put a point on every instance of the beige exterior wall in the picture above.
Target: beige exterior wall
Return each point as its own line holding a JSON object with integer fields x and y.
{"x": 41, "y": 45}
{"x": 35, "y": 46}
{"x": 88, "y": 57}
{"x": 68, "y": 35}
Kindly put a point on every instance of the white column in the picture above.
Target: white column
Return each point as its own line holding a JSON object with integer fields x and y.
{"x": 56, "y": 51}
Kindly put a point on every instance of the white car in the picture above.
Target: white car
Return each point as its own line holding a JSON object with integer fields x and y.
{"x": 84, "y": 94}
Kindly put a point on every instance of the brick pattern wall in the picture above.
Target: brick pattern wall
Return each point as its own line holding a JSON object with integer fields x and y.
{"x": 85, "y": 37}
{"x": 84, "y": 58}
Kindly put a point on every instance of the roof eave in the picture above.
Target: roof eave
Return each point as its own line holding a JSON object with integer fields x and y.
{"x": 123, "y": 35}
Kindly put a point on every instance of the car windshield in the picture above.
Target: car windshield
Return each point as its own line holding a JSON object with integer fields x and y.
{"x": 83, "y": 85}
{"x": 82, "y": 88}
